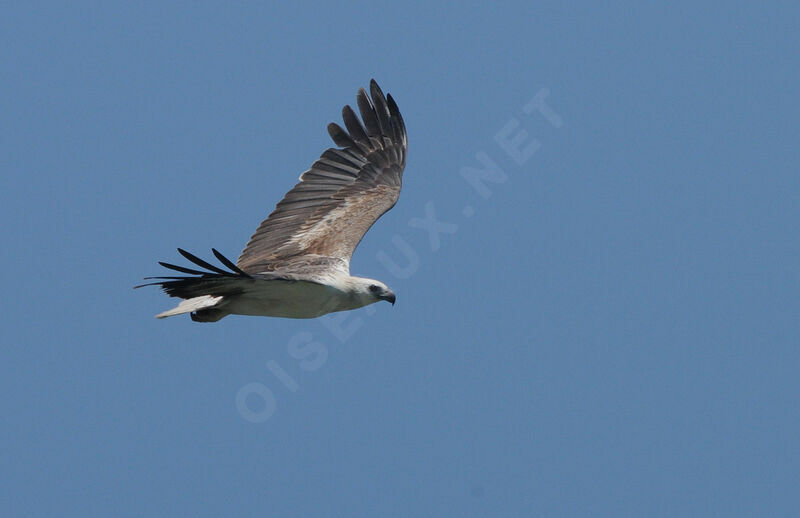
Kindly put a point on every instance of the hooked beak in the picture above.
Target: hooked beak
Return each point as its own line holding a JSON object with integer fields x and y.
{"x": 389, "y": 297}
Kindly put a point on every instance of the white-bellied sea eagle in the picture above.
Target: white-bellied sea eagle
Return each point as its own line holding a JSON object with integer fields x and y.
{"x": 297, "y": 264}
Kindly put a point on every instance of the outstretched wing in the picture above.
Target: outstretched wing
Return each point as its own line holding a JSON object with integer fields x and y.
{"x": 211, "y": 281}
{"x": 343, "y": 193}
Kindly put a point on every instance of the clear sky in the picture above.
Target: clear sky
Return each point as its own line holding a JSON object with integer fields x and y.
{"x": 595, "y": 257}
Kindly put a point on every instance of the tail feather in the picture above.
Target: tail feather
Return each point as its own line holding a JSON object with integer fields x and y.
{"x": 192, "y": 305}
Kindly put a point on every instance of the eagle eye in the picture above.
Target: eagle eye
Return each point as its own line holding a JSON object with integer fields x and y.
{"x": 374, "y": 288}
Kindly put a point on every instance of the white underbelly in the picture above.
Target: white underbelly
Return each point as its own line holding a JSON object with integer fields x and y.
{"x": 288, "y": 300}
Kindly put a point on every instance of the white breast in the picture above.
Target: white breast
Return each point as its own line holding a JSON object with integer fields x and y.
{"x": 297, "y": 299}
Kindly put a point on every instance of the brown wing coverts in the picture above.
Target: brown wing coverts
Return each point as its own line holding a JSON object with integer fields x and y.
{"x": 343, "y": 193}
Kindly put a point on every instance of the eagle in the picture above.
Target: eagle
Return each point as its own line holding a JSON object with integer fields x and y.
{"x": 297, "y": 263}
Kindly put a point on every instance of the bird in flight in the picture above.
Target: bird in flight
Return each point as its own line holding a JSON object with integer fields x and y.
{"x": 297, "y": 263}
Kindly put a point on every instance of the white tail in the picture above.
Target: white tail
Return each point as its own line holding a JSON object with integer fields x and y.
{"x": 193, "y": 304}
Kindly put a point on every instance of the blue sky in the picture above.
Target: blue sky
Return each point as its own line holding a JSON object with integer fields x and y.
{"x": 610, "y": 328}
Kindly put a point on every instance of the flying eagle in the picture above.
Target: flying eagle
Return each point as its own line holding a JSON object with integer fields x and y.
{"x": 297, "y": 264}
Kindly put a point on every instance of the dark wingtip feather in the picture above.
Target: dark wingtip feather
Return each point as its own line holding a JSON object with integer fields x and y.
{"x": 203, "y": 264}
{"x": 395, "y": 111}
{"x": 340, "y": 136}
{"x": 381, "y": 108}
{"x": 368, "y": 114}
{"x": 380, "y": 116}
{"x": 227, "y": 262}
{"x": 375, "y": 90}
{"x": 213, "y": 271}
{"x": 157, "y": 283}
{"x": 354, "y": 126}
{"x": 181, "y": 268}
